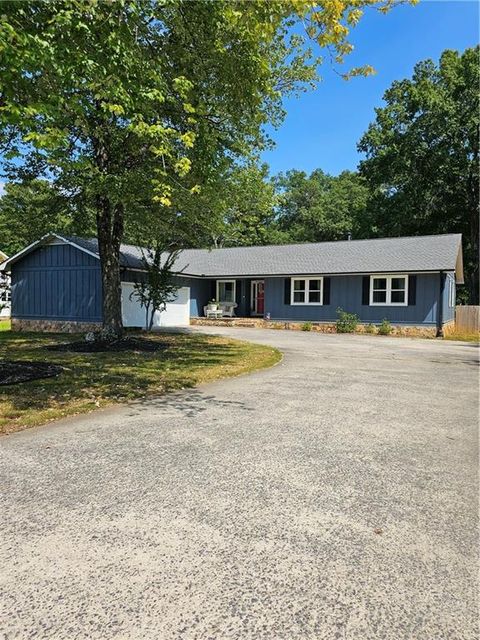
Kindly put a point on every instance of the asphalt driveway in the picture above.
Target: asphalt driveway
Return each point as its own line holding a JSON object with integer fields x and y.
{"x": 331, "y": 497}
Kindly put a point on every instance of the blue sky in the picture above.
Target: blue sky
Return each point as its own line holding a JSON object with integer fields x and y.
{"x": 322, "y": 127}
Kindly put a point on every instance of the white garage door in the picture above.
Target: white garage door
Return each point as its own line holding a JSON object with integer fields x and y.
{"x": 177, "y": 313}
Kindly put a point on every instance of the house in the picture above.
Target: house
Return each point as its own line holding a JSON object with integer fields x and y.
{"x": 4, "y": 290}
{"x": 56, "y": 282}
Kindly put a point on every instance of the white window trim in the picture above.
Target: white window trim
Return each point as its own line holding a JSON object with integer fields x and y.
{"x": 234, "y": 289}
{"x": 307, "y": 289}
{"x": 389, "y": 277}
{"x": 451, "y": 292}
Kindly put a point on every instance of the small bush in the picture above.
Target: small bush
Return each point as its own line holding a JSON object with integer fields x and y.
{"x": 370, "y": 328}
{"x": 385, "y": 328}
{"x": 347, "y": 322}
{"x": 307, "y": 326}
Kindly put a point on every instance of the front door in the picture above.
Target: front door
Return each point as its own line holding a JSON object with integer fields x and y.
{"x": 258, "y": 297}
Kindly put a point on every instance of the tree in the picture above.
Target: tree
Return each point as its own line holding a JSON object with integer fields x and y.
{"x": 118, "y": 100}
{"x": 32, "y": 208}
{"x": 159, "y": 285}
{"x": 422, "y": 156}
{"x": 321, "y": 207}
{"x": 241, "y": 205}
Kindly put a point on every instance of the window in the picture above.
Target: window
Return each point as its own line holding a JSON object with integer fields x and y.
{"x": 307, "y": 291}
{"x": 226, "y": 290}
{"x": 389, "y": 290}
{"x": 451, "y": 292}
{"x": 5, "y": 295}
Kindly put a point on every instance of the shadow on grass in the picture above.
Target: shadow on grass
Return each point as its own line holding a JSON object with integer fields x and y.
{"x": 93, "y": 379}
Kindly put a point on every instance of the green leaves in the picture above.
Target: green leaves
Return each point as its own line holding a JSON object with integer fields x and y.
{"x": 321, "y": 207}
{"x": 160, "y": 84}
{"x": 422, "y": 155}
{"x": 32, "y": 208}
{"x": 159, "y": 285}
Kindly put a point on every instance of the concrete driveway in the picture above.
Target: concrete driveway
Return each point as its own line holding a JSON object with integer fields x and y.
{"x": 331, "y": 497}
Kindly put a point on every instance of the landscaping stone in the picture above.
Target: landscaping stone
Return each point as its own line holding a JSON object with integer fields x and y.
{"x": 320, "y": 327}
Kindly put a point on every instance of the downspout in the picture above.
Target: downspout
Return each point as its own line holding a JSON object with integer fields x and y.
{"x": 440, "y": 306}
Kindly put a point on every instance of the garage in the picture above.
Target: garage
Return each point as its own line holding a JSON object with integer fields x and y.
{"x": 177, "y": 313}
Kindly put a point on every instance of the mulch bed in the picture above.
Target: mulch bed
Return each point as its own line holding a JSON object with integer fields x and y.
{"x": 125, "y": 344}
{"x": 16, "y": 371}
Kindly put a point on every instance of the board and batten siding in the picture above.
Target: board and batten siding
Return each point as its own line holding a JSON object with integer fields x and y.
{"x": 200, "y": 294}
{"x": 449, "y": 286}
{"x": 57, "y": 282}
{"x": 346, "y": 293}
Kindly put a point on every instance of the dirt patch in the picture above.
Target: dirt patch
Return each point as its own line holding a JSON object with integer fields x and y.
{"x": 16, "y": 371}
{"x": 125, "y": 344}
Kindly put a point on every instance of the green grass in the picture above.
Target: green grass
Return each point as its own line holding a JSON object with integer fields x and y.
{"x": 99, "y": 379}
{"x": 5, "y": 325}
{"x": 464, "y": 337}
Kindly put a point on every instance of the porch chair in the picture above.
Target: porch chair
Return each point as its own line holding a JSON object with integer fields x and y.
{"x": 228, "y": 309}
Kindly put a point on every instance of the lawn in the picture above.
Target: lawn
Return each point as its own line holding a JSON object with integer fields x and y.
{"x": 464, "y": 337}
{"x": 92, "y": 380}
{"x": 5, "y": 325}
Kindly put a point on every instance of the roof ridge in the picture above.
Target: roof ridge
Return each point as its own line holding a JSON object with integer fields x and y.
{"x": 304, "y": 244}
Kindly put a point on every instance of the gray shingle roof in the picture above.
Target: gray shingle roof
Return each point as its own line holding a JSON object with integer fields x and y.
{"x": 417, "y": 253}
{"x": 383, "y": 255}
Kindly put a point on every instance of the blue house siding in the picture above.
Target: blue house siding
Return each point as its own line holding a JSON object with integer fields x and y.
{"x": 242, "y": 298}
{"x": 200, "y": 294}
{"x": 57, "y": 282}
{"x": 448, "y": 312}
{"x": 61, "y": 282}
{"x": 346, "y": 292}
{"x": 203, "y": 290}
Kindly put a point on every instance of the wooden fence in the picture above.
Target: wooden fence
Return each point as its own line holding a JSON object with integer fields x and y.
{"x": 467, "y": 319}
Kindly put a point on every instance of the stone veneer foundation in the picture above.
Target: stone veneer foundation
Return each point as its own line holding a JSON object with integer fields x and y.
{"x": 54, "y": 326}
{"x": 320, "y": 327}
{"x": 60, "y": 326}
{"x": 448, "y": 328}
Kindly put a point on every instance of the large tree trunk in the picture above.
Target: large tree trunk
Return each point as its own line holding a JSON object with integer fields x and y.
{"x": 110, "y": 231}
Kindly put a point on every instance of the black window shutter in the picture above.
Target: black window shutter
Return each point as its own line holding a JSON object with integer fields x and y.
{"x": 247, "y": 306}
{"x": 366, "y": 290}
{"x": 288, "y": 284}
{"x": 213, "y": 289}
{"x": 238, "y": 292}
{"x": 326, "y": 291}
{"x": 412, "y": 290}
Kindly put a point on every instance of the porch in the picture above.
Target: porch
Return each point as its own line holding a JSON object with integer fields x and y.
{"x": 246, "y": 295}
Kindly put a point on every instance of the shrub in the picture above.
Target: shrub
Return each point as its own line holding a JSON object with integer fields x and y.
{"x": 385, "y": 328}
{"x": 347, "y": 322}
{"x": 307, "y": 326}
{"x": 370, "y": 328}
